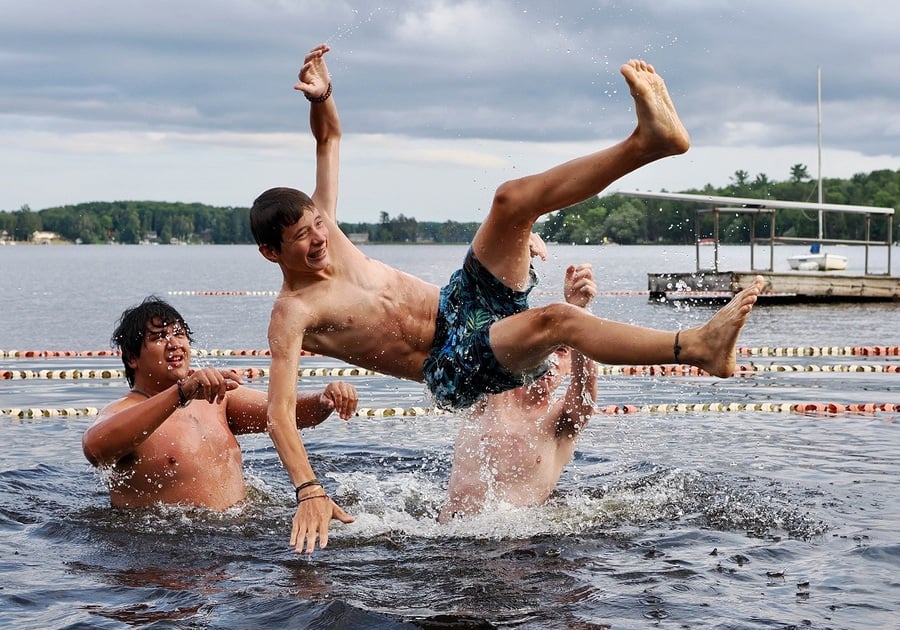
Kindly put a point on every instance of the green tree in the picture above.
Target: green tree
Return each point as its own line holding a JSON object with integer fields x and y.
{"x": 26, "y": 223}
{"x": 625, "y": 224}
{"x": 799, "y": 173}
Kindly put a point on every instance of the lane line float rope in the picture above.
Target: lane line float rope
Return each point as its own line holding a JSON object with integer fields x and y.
{"x": 789, "y": 351}
{"x": 801, "y": 408}
{"x": 250, "y": 373}
{"x": 602, "y": 370}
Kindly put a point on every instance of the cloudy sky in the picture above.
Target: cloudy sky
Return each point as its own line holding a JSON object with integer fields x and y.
{"x": 441, "y": 100}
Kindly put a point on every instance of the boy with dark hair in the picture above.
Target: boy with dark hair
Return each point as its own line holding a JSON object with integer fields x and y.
{"x": 477, "y": 334}
{"x": 171, "y": 438}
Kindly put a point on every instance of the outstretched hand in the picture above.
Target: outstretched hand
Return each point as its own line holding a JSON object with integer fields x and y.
{"x": 311, "y": 521}
{"x": 313, "y": 78}
{"x": 579, "y": 287}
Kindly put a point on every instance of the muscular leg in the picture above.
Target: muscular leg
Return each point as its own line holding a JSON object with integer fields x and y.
{"x": 522, "y": 341}
{"x": 501, "y": 243}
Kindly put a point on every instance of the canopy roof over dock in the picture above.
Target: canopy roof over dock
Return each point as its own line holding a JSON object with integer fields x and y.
{"x": 747, "y": 202}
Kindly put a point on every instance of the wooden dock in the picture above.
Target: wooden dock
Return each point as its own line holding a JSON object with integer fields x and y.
{"x": 793, "y": 286}
{"x": 785, "y": 286}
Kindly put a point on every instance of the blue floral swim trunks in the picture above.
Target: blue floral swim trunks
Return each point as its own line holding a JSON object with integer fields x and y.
{"x": 462, "y": 366}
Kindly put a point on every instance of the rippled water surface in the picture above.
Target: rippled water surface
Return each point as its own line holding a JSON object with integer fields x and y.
{"x": 737, "y": 518}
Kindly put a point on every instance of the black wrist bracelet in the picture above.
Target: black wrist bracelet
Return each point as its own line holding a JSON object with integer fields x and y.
{"x": 305, "y": 484}
{"x": 676, "y": 348}
{"x": 321, "y": 98}
{"x": 315, "y": 496}
{"x": 182, "y": 399}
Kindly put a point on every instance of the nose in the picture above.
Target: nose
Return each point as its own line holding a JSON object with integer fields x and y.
{"x": 320, "y": 234}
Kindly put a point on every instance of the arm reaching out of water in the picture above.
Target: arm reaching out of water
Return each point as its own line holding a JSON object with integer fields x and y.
{"x": 514, "y": 446}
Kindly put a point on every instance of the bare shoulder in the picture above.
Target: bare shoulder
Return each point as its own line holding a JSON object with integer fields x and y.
{"x": 115, "y": 407}
{"x": 292, "y": 315}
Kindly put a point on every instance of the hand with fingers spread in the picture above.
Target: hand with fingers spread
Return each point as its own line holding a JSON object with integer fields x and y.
{"x": 315, "y": 510}
{"x": 313, "y": 78}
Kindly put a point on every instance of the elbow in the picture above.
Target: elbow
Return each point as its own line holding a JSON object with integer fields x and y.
{"x": 90, "y": 450}
{"x": 504, "y": 198}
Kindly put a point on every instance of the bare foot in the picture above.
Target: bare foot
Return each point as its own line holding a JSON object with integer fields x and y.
{"x": 659, "y": 131}
{"x": 711, "y": 346}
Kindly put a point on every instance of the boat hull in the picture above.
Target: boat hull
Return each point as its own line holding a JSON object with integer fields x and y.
{"x": 818, "y": 262}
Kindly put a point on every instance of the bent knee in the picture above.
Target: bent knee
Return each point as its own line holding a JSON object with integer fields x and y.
{"x": 552, "y": 320}
{"x": 511, "y": 199}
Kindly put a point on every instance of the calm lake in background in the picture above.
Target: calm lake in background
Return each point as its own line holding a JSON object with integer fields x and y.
{"x": 727, "y": 519}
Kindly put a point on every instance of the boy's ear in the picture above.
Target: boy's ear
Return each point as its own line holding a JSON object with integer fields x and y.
{"x": 268, "y": 253}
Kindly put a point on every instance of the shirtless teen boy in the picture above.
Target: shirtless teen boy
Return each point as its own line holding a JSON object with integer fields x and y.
{"x": 171, "y": 438}
{"x": 477, "y": 334}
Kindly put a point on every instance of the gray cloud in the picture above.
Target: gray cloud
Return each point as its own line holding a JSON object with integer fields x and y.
{"x": 742, "y": 74}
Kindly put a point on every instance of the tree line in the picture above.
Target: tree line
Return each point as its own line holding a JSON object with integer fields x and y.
{"x": 613, "y": 218}
{"x": 629, "y": 220}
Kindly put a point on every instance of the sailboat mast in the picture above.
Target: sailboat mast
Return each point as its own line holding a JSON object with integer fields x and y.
{"x": 819, "y": 129}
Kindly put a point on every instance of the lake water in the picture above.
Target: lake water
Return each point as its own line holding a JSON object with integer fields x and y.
{"x": 739, "y": 518}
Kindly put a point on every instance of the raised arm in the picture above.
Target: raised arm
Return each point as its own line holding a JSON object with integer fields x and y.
{"x": 314, "y": 508}
{"x": 578, "y": 403}
{"x": 314, "y": 81}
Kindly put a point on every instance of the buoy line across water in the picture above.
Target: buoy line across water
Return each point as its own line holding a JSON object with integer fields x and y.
{"x": 764, "y": 351}
{"x": 802, "y": 408}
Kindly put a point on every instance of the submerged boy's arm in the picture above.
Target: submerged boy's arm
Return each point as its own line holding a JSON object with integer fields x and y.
{"x": 580, "y": 397}
{"x": 314, "y": 509}
{"x": 579, "y": 288}
{"x": 315, "y": 83}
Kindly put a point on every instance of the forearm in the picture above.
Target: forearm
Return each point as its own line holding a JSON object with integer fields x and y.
{"x": 326, "y": 129}
{"x": 117, "y": 433}
{"x": 584, "y": 382}
{"x": 580, "y": 396}
{"x": 324, "y": 121}
{"x": 290, "y": 448}
{"x": 311, "y": 410}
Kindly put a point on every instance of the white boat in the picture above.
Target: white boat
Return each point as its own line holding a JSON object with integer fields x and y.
{"x": 822, "y": 261}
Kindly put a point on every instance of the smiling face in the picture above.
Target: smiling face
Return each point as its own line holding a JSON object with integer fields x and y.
{"x": 149, "y": 321}
{"x": 165, "y": 355}
{"x": 304, "y": 245}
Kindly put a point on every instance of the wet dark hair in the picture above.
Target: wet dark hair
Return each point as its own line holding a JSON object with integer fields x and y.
{"x": 128, "y": 336}
{"x": 274, "y": 210}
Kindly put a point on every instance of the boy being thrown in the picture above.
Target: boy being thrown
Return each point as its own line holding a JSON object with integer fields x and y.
{"x": 476, "y": 335}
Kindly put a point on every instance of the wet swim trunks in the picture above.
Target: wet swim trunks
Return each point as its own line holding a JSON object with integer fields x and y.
{"x": 462, "y": 367}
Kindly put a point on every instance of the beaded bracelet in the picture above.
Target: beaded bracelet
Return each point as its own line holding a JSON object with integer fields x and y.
{"x": 321, "y": 98}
